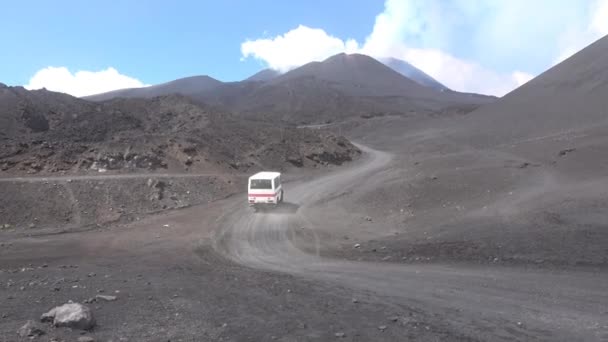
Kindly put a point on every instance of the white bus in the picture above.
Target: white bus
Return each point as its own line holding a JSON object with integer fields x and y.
{"x": 265, "y": 189}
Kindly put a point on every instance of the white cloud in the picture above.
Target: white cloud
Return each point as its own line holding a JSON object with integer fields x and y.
{"x": 398, "y": 19}
{"x": 411, "y": 18}
{"x": 521, "y": 78}
{"x": 576, "y": 38}
{"x": 423, "y": 32}
{"x": 599, "y": 23}
{"x": 81, "y": 83}
{"x": 463, "y": 75}
{"x": 296, "y": 47}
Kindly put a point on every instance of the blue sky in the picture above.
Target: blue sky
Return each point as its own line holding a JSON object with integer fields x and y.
{"x": 157, "y": 41}
{"x": 486, "y": 46}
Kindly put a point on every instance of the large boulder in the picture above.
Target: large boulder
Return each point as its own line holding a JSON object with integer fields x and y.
{"x": 71, "y": 315}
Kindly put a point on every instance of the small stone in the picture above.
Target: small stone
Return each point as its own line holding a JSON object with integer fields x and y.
{"x": 368, "y": 218}
{"x": 393, "y": 318}
{"x": 566, "y": 151}
{"x": 31, "y": 329}
{"x": 340, "y": 334}
{"x": 382, "y": 327}
{"x": 357, "y": 245}
{"x": 71, "y": 315}
{"x": 355, "y": 300}
{"x": 106, "y": 298}
{"x": 92, "y": 274}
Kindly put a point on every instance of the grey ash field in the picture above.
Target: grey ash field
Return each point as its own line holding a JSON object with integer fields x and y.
{"x": 447, "y": 220}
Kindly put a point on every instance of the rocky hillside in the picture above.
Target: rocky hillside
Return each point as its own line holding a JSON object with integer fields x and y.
{"x": 43, "y": 132}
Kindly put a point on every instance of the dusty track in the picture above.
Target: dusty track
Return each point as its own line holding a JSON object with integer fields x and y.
{"x": 497, "y": 303}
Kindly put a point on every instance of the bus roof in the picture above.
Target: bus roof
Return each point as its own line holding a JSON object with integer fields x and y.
{"x": 265, "y": 175}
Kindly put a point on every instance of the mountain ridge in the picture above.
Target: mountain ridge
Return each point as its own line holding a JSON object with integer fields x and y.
{"x": 339, "y": 87}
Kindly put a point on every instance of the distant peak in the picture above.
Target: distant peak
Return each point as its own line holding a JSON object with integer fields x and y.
{"x": 264, "y": 75}
{"x": 346, "y": 55}
{"x": 198, "y": 77}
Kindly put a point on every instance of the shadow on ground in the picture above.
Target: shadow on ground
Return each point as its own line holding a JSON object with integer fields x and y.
{"x": 283, "y": 208}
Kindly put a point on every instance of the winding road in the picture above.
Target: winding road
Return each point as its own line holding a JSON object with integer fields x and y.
{"x": 489, "y": 302}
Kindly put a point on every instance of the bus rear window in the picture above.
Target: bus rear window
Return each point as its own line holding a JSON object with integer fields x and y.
{"x": 261, "y": 184}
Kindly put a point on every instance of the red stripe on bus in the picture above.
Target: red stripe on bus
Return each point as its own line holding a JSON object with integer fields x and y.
{"x": 263, "y": 195}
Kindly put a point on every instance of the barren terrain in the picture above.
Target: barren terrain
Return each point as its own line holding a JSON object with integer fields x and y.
{"x": 222, "y": 272}
{"x": 488, "y": 225}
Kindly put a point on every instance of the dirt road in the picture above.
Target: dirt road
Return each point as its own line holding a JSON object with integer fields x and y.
{"x": 490, "y": 303}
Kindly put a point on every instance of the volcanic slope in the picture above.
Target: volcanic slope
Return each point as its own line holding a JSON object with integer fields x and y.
{"x": 522, "y": 180}
{"x": 183, "y": 86}
{"x": 398, "y": 65}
